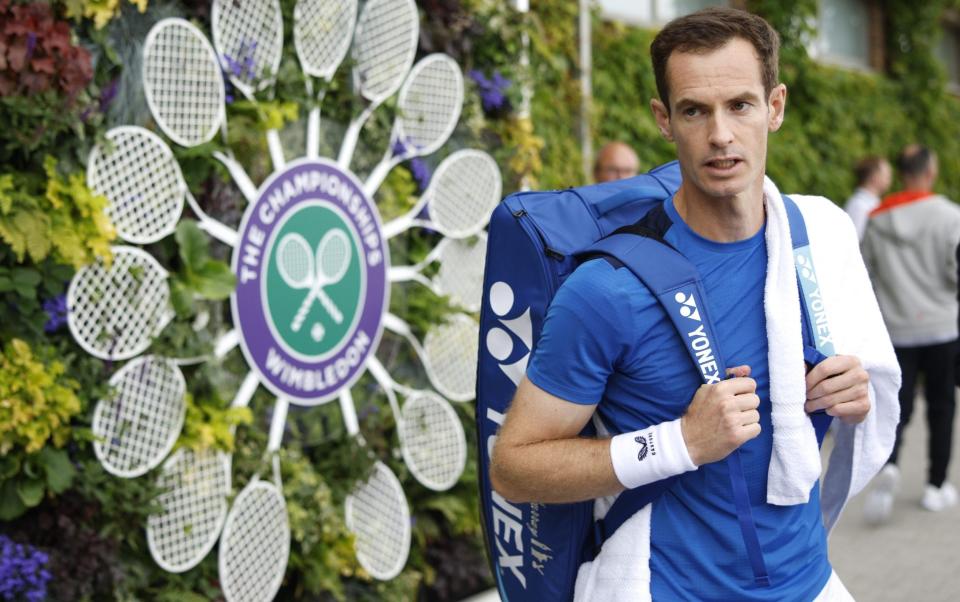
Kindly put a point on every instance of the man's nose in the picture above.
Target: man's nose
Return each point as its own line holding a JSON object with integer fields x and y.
{"x": 720, "y": 134}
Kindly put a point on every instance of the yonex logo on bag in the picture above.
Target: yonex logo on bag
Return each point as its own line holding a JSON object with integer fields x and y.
{"x": 805, "y": 264}
{"x": 499, "y": 341}
{"x": 703, "y": 351}
{"x": 688, "y": 306}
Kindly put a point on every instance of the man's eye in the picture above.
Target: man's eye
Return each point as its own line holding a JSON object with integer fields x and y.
{"x": 740, "y": 106}
{"x": 691, "y": 112}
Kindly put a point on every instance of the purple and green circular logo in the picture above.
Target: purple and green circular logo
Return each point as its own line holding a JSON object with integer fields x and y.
{"x": 311, "y": 271}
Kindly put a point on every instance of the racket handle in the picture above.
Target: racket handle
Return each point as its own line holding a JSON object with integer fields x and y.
{"x": 302, "y": 312}
{"x": 224, "y": 234}
{"x": 276, "y": 150}
{"x": 313, "y": 133}
{"x": 329, "y": 306}
{"x": 380, "y": 172}
{"x": 239, "y": 175}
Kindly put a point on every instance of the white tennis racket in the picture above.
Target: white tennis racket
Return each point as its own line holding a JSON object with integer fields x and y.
{"x": 182, "y": 82}
{"x": 138, "y": 423}
{"x": 377, "y": 514}
{"x": 384, "y": 45}
{"x": 428, "y": 109}
{"x": 255, "y": 543}
{"x": 145, "y": 187}
{"x": 376, "y": 511}
{"x": 460, "y": 198}
{"x": 322, "y": 30}
{"x": 114, "y": 313}
{"x": 185, "y": 92}
{"x": 194, "y": 501}
{"x": 431, "y": 436}
{"x": 460, "y": 275}
{"x": 248, "y": 37}
{"x": 300, "y": 269}
{"x": 448, "y": 354}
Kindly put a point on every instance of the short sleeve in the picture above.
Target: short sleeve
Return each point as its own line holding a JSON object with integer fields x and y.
{"x": 583, "y": 336}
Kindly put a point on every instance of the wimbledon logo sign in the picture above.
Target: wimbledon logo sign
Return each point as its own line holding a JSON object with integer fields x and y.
{"x": 311, "y": 281}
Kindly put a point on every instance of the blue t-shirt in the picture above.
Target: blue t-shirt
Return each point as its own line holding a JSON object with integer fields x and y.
{"x": 607, "y": 341}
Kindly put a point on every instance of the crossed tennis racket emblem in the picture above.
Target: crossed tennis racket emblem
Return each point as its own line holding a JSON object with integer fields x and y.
{"x": 302, "y": 267}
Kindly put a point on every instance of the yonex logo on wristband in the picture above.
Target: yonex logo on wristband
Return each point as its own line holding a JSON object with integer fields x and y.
{"x": 688, "y": 306}
{"x": 642, "y": 453}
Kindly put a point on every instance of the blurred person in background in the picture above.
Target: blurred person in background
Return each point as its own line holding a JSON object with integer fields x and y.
{"x": 873, "y": 180}
{"x": 910, "y": 247}
{"x": 615, "y": 161}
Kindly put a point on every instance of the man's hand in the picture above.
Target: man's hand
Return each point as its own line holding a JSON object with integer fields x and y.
{"x": 721, "y": 417}
{"x": 838, "y": 385}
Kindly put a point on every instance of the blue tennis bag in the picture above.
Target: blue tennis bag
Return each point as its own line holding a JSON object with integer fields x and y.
{"x": 536, "y": 240}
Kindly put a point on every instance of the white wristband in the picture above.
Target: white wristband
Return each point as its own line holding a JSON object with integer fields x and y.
{"x": 650, "y": 454}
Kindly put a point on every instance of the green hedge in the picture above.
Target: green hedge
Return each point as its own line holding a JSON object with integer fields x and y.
{"x": 834, "y": 116}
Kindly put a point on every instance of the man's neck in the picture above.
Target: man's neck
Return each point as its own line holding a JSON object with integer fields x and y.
{"x": 722, "y": 219}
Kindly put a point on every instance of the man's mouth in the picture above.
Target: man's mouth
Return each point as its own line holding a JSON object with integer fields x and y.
{"x": 725, "y": 163}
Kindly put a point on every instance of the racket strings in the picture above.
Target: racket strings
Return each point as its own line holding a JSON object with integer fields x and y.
{"x": 431, "y": 106}
{"x": 140, "y": 179}
{"x": 466, "y": 194}
{"x": 451, "y": 357}
{"x": 380, "y": 520}
{"x": 194, "y": 506}
{"x": 385, "y": 46}
{"x": 334, "y": 258}
{"x": 461, "y": 272}
{"x": 256, "y": 544}
{"x": 434, "y": 441}
{"x": 184, "y": 82}
{"x": 321, "y": 32}
{"x": 116, "y": 312}
{"x": 140, "y": 423}
{"x": 250, "y": 40}
{"x": 295, "y": 262}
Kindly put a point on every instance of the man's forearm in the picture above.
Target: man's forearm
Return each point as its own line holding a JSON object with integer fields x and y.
{"x": 556, "y": 471}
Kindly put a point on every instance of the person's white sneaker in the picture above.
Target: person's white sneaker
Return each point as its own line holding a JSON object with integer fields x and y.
{"x": 878, "y": 506}
{"x": 936, "y": 499}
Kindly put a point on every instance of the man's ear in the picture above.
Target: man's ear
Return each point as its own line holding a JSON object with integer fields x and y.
{"x": 777, "y": 102}
{"x": 662, "y": 116}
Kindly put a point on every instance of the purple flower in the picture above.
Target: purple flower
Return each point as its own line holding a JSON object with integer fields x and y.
{"x": 492, "y": 91}
{"x": 31, "y": 44}
{"x": 108, "y": 94}
{"x": 23, "y": 573}
{"x": 56, "y": 308}
{"x": 421, "y": 173}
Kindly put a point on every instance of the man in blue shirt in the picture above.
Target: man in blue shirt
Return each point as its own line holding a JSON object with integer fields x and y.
{"x": 608, "y": 350}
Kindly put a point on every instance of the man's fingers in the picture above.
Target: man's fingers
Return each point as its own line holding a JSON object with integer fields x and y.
{"x": 738, "y": 371}
{"x": 747, "y": 401}
{"x": 853, "y": 378}
{"x": 854, "y": 393}
{"x": 738, "y": 385}
{"x": 750, "y": 417}
{"x": 830, "y": 367}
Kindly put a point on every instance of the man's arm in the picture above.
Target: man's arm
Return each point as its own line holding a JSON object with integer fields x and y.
{"x": 539, "y": 455}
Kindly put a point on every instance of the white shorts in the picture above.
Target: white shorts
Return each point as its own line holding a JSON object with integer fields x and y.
{"x": 834, "y": 591}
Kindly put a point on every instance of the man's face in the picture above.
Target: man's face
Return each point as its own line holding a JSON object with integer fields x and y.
{"x": 616, "y": 161}
{"x": 719, "y": 119}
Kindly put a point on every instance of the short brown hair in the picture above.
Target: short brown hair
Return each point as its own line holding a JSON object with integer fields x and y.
{"x": 866, "y": 167}
{"x": 710, "y": 29}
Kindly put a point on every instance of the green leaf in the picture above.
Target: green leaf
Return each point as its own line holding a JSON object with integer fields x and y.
{"x": 181, "y": 296}
{"x": 59, "y": 469}
{"x": 215, "y": 280}
{"x": 30, "y": 492}
{"x": 26, "y": 276}
{"x": 10, "y": 505}
{"x": 193, "y": 245}
{"x": 9, "y": 466}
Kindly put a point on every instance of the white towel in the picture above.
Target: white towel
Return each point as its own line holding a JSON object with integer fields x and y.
{"x": 795, "y": 460}
{"x": 859, "y": 450}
